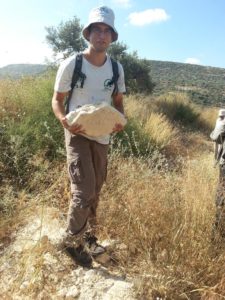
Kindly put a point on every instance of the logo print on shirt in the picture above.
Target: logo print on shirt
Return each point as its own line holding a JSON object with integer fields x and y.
{"x": 108, "y": 84}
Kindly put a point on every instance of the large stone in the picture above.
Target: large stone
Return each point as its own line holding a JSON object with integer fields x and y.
{"x": 97, "y": 120}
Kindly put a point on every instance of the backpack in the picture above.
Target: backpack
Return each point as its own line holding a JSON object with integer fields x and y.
{"x": 78, "y": 75}
{"x": 218, "y": 133}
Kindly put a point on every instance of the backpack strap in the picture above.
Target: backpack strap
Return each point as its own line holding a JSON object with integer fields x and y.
{"x": 115, "y": 77}
{"x": 77, "y": 75}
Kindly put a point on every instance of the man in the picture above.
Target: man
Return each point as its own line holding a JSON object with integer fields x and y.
{"x": 86, "y": 155}
{"x": 218, "y": 136}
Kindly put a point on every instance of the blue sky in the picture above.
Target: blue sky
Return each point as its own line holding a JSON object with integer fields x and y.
{"x": 187, "y": 31}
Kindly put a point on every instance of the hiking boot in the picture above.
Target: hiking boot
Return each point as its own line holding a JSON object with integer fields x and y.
{"x": 79, "y": 255}
{"x": 68, "y": 240}
{"x": 72, "y": 245}
{"x": 93, "y": 247}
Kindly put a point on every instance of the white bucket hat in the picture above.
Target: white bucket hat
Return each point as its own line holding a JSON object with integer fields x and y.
{"x": 102, "y": 14}
{"x": 221, "y": 113}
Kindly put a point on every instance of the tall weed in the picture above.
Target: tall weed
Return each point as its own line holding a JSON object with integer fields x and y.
{"x": 160, "y": 130}
{"x": 27, "y": 125}
{"x": 132, "y": 141}
{"x": 137, "y": 107}
{"x": 165, "y": 220}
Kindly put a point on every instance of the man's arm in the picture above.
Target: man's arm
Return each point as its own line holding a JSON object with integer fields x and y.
{"x": 58, "y": 106}
{"x": 59, "y": 111}
{"x": 118, "y": 104}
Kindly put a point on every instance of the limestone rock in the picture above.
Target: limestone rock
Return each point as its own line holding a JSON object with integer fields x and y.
{"x": 97, "y": 120}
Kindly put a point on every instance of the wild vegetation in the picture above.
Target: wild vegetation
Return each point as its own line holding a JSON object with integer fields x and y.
{"x": 204, "y": 85}
{"x": 159, "y": 193}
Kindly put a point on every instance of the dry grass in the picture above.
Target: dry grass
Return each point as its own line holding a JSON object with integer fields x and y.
{"x": 163, "y": 218}
{"x": 163, "y": 119}
{"x": 165, "y": 221}
{"x": 138, "y": 107}
{"x": 160, "y": 130}
{"x": 208, "y": 117}
{"x": 24, "y": 96}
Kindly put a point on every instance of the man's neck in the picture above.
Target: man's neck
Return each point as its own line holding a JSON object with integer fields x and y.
{"x": 95, "y": 58}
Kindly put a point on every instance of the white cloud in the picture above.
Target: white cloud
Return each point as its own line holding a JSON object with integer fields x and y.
{"x": 122, "y": 3}
{"x": 148, "y": 16}
{"x": 193, "y": 61}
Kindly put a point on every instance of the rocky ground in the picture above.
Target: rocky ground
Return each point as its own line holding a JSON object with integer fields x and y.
{"x": 32, "y": 267}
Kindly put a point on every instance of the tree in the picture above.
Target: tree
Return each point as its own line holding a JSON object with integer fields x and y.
{"x": 117, "y": 50}
{"x": 66, "y": 38}
{"x": 137, "y": 71}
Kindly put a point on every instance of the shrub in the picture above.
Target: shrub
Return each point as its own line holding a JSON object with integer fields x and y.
{"x": 177, "y": 107}
{"x": 132, "y": 141}
{"x": 14, "y": 159}
{"x": 27, "y": 125}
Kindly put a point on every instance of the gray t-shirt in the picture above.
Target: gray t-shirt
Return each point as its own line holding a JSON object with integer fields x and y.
{"x": 95, "y": 89}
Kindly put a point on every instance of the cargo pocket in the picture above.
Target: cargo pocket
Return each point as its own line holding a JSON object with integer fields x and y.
{"x": 76, "y": 171}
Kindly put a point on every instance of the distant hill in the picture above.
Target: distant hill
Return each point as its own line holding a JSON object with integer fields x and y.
{"x": 18, "y": 70}
{"x": 204, "y": 85}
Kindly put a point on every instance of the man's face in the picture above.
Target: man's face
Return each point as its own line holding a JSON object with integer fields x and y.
{"x": 100, "y": 36}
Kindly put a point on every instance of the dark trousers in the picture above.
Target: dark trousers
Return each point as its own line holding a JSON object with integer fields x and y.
{"x": 87, "y": 167}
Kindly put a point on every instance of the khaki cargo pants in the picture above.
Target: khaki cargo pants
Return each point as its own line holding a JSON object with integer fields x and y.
{"x": 87, "y": 167}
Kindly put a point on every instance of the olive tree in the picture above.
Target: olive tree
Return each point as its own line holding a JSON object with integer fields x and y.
{"x": 66, "y": 37}
{"x": 137, "y": 71}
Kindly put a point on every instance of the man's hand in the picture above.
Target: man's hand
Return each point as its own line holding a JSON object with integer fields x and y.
{"x": 74, "y": 129}
{"x": 118, "y": 127}
{"x": 59, "y": 111}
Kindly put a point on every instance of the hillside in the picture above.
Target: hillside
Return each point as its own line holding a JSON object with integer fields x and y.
{"x": 17, "y": 70}
{"x": 205, "y": 85}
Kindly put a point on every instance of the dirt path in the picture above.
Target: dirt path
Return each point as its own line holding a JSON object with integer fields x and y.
{"x": 32, "y": 268}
